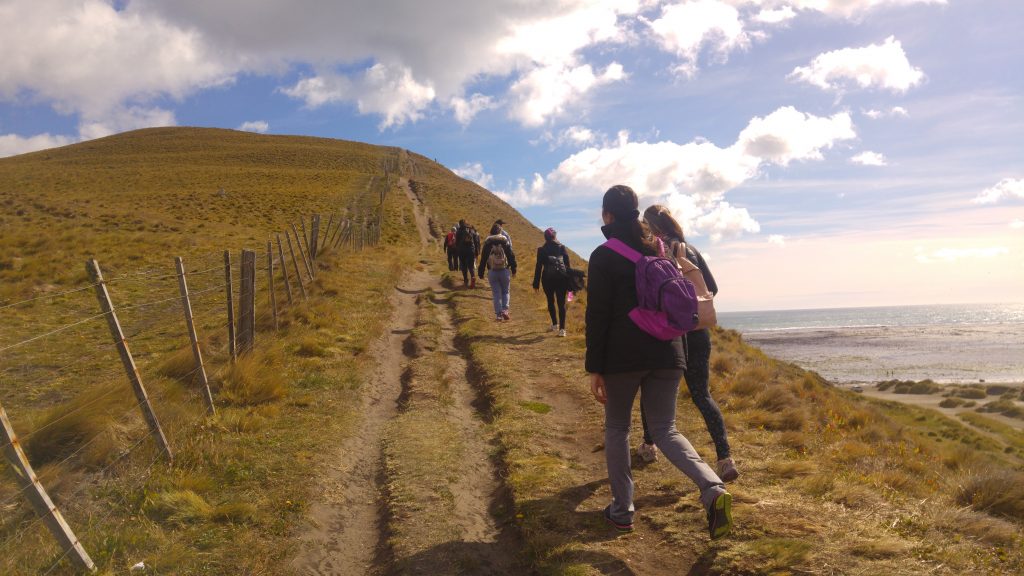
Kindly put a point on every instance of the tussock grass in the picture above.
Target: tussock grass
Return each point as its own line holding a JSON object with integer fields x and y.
{"x": 87, "y": 429}
{"x": 252, "y": 380}
{"x": 181, "y": 365}
{"x": 998, "y": 493}
{"x": 179, "y": 507}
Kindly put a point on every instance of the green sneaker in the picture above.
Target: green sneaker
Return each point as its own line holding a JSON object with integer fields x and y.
{"x": 720, "y": 516}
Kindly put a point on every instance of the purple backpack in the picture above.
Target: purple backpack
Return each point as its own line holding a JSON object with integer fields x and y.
{"x": 667, "y": 301}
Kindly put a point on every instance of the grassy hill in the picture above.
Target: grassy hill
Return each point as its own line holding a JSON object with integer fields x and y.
{"x": 833, "y": 483}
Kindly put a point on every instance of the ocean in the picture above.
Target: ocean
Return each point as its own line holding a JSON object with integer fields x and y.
{"x": 947, "y": 343}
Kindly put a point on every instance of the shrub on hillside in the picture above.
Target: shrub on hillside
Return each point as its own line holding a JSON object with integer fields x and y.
{"x": 972, "y": 393}
{"x": 999, "y": 493}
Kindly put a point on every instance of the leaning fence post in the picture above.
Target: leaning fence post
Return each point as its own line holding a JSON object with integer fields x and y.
{"x": 314, "y": 237}
{"x": 298, "y": 276}
{"x": 284, "y": 269}
{"x": 40, "y": 500}
{"x": 232, "y": 347}
{"x": 247, "y": 303}
{"x": 96, "y": 277}
{"x": 190, "y": 323}
{"x": 306, "y": 241}
{"x": 270, "y": 281}
{"x": 298, "y": 245}
{"x": 327, "y": 231}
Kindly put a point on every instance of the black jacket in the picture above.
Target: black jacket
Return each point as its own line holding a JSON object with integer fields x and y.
{"x": 614, "y": 343}
{"x": 466, "y": 243}
{"x": 496, "y": 242}
{"x": 548, "y": 249}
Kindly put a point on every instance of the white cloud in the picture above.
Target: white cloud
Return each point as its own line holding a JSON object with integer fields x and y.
{"x": 121, "y": 119}
{"x": 12, "y": 144}
{"x": 775, "y": 16}
{"x": 875, "y": 114}
{"x": 474, "y": 172}
{"x": 954, "y": 254}
{"x": 258, "y": 126}
{"x": 390, "y": 91}
{"x": 465, "y": 110}
{"x": 883, "y": 66}
{"x": 523, "y": 196}
{"x": 848, "y": 8}
{"x": 868, "y": 158}
{"x": 88, "y": 58}
{"x": 688, "y": 28}
{"x": 777, "y": 240}
{"x": 1017, "y": 224}
{"x": 1005, "y": 188}
{"x": 693, "y": 178}
{"x": 545, "y": 92}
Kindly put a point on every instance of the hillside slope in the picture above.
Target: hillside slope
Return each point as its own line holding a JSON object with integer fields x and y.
{"x": 472, "y": 447}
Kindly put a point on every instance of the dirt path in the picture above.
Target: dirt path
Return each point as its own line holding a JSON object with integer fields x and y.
{"x": 348, "y": 528}
{"x": 345, "y": 533}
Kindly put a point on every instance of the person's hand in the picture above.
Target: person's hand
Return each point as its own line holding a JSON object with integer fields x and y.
{"x": 597, "y": 388}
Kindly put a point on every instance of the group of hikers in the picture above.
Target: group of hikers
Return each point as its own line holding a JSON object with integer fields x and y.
{"x": 622, "y": 357}
{"x": 495, "y": 256}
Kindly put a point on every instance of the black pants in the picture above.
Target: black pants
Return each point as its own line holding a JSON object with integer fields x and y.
{"x": 555, "y": 292}
{"x": 698, "y": 355}
{"x": 453, "y": 260}
{"x": 467, "y": 260}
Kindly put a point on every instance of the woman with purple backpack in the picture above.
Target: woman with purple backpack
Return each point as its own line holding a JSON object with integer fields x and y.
{"x": 623, "y": 359}
{"x": 697, "y": 344}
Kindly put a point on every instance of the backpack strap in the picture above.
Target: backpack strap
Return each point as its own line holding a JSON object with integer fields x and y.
{"x": 620, "y": 248}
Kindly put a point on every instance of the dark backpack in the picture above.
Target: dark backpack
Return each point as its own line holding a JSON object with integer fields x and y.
{"x": 667, "y": 302}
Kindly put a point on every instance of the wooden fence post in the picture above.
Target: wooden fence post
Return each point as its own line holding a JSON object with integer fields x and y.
{"x": 298, "y": 276}
{"x": 284, "y": 269}
{"x": 96, "y": 277}
{"x": 190, "y": 324}
{"x": 298, "y": 245}
{"x": 270, "y": 281}
{"x": 247, "y": 303}
{"x": 232, "y": 345}
{"x": 327, "y": 231}
{"x": 40, "y": 500}
{"x": 305, "y": 240}
{"x": 314, "y": 238}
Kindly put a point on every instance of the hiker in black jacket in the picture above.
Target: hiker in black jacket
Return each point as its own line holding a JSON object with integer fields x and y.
{"x": 622, "y": 359}
{"x": 467, "y": 248}
{"x": 497, "y": 256}
{"x": 697, "y": 344}
{"x": 552, "y": 271}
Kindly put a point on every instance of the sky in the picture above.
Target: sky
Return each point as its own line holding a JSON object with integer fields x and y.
{"x": 820, "y": 153}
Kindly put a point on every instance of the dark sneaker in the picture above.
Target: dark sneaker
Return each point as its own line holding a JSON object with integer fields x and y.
{"x": 617, "y": 525}
{"x": 727, "y": 470}
{"x": 720, "y": 516}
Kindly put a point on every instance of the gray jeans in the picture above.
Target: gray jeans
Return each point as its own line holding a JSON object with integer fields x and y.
{"x": 660, "y": 388}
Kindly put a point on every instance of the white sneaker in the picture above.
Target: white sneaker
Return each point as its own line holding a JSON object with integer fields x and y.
{"x": 562, "y": 332}
{"x": 647, "y": 452}
{"x": 554, "y": 327}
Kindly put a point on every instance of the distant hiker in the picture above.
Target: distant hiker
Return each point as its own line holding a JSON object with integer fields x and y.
{"x": 450, "y": 248}
{"x": 621, "y": 359}
{"x": 552, "y": 272}
{"x": 497, "y": 256}
{"x": 501, "y": 224}
{"x": 697, "y": 344}
{"x": 467, "y": 249}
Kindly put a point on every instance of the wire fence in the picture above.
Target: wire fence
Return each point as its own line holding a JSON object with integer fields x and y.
{"x": 57, "y": 343}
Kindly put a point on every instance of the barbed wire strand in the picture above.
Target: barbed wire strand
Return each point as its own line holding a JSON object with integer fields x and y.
{"x": 44, "y": 296}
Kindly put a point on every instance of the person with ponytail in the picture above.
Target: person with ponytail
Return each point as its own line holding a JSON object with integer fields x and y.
{"x": 623, "y": 359}
{"x": 552, "y": 272}
{"x": 697, "y": 344}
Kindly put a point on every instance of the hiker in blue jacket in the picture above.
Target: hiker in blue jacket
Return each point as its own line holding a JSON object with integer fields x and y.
{"x": 697, "y": 345}
{"x": 622, "y": 359}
